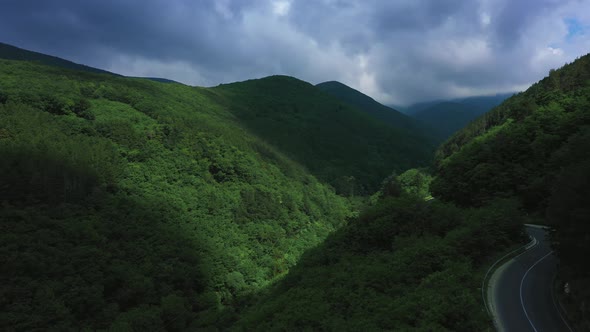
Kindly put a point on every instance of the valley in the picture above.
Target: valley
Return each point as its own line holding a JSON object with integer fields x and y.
{"x": 274, "y": 204}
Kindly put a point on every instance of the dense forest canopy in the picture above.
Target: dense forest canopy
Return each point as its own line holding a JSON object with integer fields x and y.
{"x": 403, "y": 123}
{"x": 404, "y": 264}
{"x": 128, "y": 203}
{"x": 335, "y": 141}
{"x": 10, "y": 52}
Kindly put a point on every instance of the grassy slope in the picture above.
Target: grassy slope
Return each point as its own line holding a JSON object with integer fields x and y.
{"x": 534, "y": 146}
{"x": 336, "y": 142}
{"x": 134, "y": 204}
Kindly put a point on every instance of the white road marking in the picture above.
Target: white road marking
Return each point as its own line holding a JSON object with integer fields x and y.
{"x": 522, "y": 282}
{"x": 526, "y": 247}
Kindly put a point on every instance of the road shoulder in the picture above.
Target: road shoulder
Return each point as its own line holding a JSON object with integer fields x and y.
{"x": 494, "y": 273}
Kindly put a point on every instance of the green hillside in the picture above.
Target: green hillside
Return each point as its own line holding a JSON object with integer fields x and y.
{"x": 535, "y": 146}
{"x": 336, "y": 142}
{"x": 370, "y": 106}
{"x": 10, "y": 52}
{"x": 404, "y": 265}
{"x": 132, "y": 204}
{"x": 158, "y": 79}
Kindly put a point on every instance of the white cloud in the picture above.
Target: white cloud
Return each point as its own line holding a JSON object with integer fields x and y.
{"x": 485, "y": 19}
{"x": 281, "y": 7}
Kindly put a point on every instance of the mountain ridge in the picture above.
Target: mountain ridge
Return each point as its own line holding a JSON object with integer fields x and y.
{"x": 11, "y": 52}
{"x": 275, "y": 109}
{"x": 366, "y": 103}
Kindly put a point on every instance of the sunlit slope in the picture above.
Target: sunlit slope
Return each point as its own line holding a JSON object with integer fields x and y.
{"x": 128, "y": 203}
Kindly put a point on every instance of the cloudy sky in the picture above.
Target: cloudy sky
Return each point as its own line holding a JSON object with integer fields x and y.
{"x": 397, "y": 51}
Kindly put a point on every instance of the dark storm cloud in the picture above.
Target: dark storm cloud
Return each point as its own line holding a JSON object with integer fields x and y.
{"x": 160, "y": 29}
{"x": 397, "y": 51}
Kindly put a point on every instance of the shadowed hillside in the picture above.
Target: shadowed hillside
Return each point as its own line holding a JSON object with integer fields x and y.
{"x": 446, "y": 117}
{"x": 367, "y": 104}
{"x": 338, "y": 143}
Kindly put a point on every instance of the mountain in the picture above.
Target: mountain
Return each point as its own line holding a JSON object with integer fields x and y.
{"x": 479, "y": 103}
{"x": 404, "y": 264}
{"x": 414, "y": 108}
{"x": 485, "y": 102}
{"x": 446, "y": 117}
{"x": 367, "y": 104}
{"x": 133, "y": 204}
{"x": 535, "y": 147}
{"x": 157, "y": 79}
{"x": 332, "y": 130}
{"x": 10, "y": 52}
{"x": 337, "y": 142}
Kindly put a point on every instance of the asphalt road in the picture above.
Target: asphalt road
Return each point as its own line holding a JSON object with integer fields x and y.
{"x": 521, "y": 290}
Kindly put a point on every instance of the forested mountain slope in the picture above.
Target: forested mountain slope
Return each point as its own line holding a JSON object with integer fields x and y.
{"x": 448, "y": 116}
{"x": 478, "y": 104}
{"x": 10, "y": 52}
{"x": 535, "y": 146}
{"x": 132, "y": 204}
{"x": 379, "y": 111}
{"x": 338, "y": 143}
{"x": 404, "y": 264}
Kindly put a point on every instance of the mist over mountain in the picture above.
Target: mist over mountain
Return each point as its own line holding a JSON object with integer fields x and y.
{"x": 445, "y": 117}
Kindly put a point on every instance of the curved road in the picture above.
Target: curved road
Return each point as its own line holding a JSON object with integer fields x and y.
{"x": 520, "y": 293}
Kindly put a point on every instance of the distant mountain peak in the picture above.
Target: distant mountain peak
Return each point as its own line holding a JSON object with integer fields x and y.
{"x": 10, "y": 52}
{"x": 375, "y": 109}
